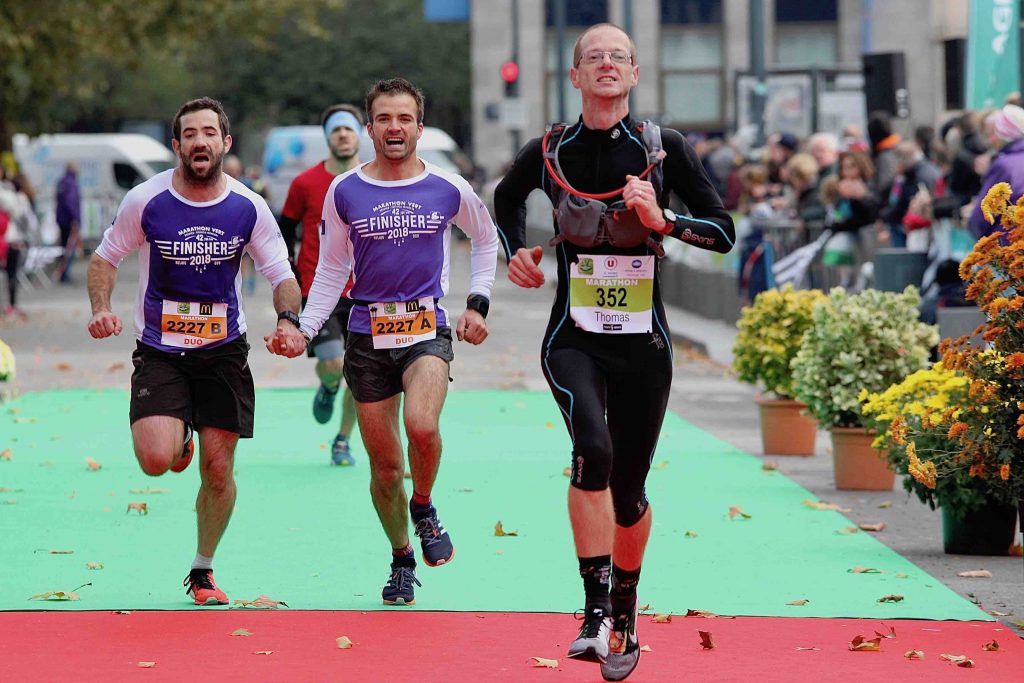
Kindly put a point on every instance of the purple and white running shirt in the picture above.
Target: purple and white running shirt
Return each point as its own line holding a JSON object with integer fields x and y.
{"x": 394, "y": 238}
{"x": 190, "y": 254}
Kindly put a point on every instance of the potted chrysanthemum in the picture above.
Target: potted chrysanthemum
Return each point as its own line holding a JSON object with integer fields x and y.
{"x": 770, "y": 332}
{"x": 862, "y": 342}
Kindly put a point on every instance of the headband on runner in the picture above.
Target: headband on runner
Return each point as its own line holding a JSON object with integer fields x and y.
{"x": 341, "y": 118}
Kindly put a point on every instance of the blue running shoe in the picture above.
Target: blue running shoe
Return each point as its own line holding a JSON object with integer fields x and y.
{"x": 434, "y": 540}
{"x": 323, "y": 404}
{"x": 340, "y": 453}
{"x": 398, "y": 590}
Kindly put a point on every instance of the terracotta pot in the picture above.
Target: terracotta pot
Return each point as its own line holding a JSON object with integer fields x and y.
{"x": 784, "y": 429}
{"x": 858, "y": 466}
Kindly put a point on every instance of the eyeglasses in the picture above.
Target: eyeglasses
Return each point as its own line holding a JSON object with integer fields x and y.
{"x": 597, "y": 56}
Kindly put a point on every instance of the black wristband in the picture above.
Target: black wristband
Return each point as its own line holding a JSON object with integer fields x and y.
{"x": 479, "y": 303}
{"x": 290, "y": 316}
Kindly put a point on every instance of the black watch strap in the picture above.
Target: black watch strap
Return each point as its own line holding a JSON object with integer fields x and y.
{"x": 479, "y": 303}
{"x": 290, "y": 316}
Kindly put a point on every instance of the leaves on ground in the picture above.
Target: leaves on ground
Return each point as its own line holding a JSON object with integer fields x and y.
{"x": 891, "y": 598}
{"x": 54, "y": 552}
{"x": 769, "y": 467}
{"x": 873, "y": 526}
{"x": 146, "y": 491}
{"x": 92, "y": 464}
{"x": 645, "y": 648}
{"x": 823, "y": 505}
{"x": 543, "y": 663}
{"x": 991, "y": 647}
{"x": 567, "y": 471}
{"x": 5, "y": 454}
{"x": 115, "y": 366}
{"x": 890, "y": 634}
{"x": 94, "y": 565}
{"x": 976, "y": 574}
{"x": 549, "y": 425}
{"x": 808, "y": 649}
{"x": 262, "y": 602}
{"x": 263, "y": 652}
{"x": 141, "y": 508}
{"x": 706, "y": 641}
{"x": 62, "y": 367}
{"x": 660, "y": 466}
{"x": 241, "y": 632}
{"x": 7, "y": 490}
{"x": 122, "y": 611}
{"x": 737, "y": 511}
{"x": 500, "y": 530}
{"x": 959, "y": 660}
{"x": 344, "y": 643}
{"x": 644, "y": 608}
{"x": 661, "y": 619}
{"x": 864, "y": 570}
{"x": 914, "y": 654}
{"x": 705, "y": 614}
{"x": 146, "y": 665}
{"x": 690, "y": 534}
{"x": 60, "y": 595}
{"x": 862, "y": 644}
{"x": 902, "y": 576}
{"x": 848, "y": 530}
{"x": 799, "y": 603}
{"x": 881, "y": 506}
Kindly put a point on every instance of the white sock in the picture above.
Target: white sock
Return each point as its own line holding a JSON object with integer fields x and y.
{"x": 202, "y": 562}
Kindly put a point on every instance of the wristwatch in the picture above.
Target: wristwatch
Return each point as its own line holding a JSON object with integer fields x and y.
{"x": 670, "y": 216}
{"x": 290, "y": 316}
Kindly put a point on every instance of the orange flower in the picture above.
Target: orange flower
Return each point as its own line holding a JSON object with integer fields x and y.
{"x": 957, "y": 429}
{"x": 1004, "y": 472}
{"x": 977, "y": 470}
{"x": 1015, "y": 360}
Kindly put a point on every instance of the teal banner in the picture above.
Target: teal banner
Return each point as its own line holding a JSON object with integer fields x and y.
{"x": 993, "y": 52}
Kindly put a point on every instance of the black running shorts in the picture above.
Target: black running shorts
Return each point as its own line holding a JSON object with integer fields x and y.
{"x": 334, "y": 328}
{"x": 376, "y": 374}
{"x": 205, "y": 387}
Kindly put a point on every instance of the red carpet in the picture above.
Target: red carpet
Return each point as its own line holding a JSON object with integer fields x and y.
{"x": 449, "y": 646}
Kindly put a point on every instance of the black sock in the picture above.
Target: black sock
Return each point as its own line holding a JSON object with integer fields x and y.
{"x": 623, "y": 593}
{"x": 403, "y": 559}
{"x": 594, "y": 571}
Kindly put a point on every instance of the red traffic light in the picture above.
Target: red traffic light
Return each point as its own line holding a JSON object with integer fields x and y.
{"x": 509, "y": 72}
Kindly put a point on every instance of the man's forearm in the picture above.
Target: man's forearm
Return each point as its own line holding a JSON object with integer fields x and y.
{"x": 102, "y": 277}
{"x": 287, "y": 296}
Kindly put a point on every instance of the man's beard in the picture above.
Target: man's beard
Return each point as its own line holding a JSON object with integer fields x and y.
{"x": 212, "y": 172}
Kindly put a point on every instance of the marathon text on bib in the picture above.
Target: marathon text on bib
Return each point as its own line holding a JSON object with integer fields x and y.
{"x": 612, "y": 294}
{"x": 398, "y": 324}
{"x": 191, "y": 325}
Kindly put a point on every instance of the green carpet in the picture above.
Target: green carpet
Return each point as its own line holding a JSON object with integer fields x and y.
{"x": 306, "y": 533}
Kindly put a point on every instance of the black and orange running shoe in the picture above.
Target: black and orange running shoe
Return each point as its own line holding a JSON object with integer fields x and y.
{"x": 200, "y": 587}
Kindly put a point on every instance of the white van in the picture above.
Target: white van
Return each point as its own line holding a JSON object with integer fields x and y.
{"x": 109, "y": 164}
{"x": 290, "y": 150}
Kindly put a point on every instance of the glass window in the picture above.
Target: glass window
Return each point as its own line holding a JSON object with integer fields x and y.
{"x": 691, "y": 11}
{"x": 691, "y": 49}
{"x": 692, "y": 97}
{"x": 578, "y": 12}
{"x": 573, "y": 103}
{"x": 805, "y": 45}
{"x": 804, "y": 11}
{"x": 126, "y": 176}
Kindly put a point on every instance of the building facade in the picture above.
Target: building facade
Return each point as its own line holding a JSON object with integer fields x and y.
{"x": 690, "y": 52}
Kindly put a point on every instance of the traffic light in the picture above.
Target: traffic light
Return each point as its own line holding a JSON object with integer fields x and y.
{"x": 510, "y": 74}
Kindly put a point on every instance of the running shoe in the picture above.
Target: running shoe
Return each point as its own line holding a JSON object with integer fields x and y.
{"x": 187, "y": 450}
{"x": 323, "y": 404}
{"x": 434, "y": 539}
{"x": 340, "y": 453}
{"x": 398, "y": 590}
{"x": 623, "y": 649}
{"x": 591, "y": 645}
{"x": 200, "y": 587}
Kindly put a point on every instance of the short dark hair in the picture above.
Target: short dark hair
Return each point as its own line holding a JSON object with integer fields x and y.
{"x": 198, "y": 105}
{"x": 394, "y": 86}
{"x": 341, "y": 107}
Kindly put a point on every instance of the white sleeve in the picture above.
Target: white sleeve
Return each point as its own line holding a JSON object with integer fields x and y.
{"x": 267, "y": 246}
{"x": 474, "y": 220}
{"x": 332, "y": 270}
{"x": 125, "y": 234}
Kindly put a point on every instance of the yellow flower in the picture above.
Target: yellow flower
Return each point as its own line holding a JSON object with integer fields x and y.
{"x": 995, "y": 201}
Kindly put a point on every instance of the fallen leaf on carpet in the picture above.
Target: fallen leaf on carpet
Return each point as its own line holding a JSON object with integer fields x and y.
{"x": 860, "y": 644}
{"x": 146, "y": 490}
{"x": 263, "y": 652}
{"x": 822, "y": 505}
{"x": 645, "y": 648}
{"x": 769, "y": 467}
{"x": 863, "y": 570}
{"x": 500, "y": 530}
{"x": 542, "y": 663}
{"x": 262, "y": 602}
{"x": 991, "y": 647}
{"x": 644, "y": 608}
{"x": 63, "y": 367}
{"x": 660, "y": 466}
{"x": 874, "y": 526}
{"x": 914, "y": 654}
{"x": 690, "y": 534}
{"x": 60, "y": 595}
{"x": 705, "y": 640}
{"x": 890, "y": 634}
{"x": 114, "y": 367}
{"x": 122, "y": 611}
{"x": 344, "y": 643}
{"x": 55, "y": 552}
{"x": 848, "y": 530}
{"x": 567, "y": 471}
{"x": 10, "y": 502}
{"x": 891, "y": 598}
{"x": 92, "y": 464}
{"x": 141, "y": 508}
{"x": 799, "y": 603}
{"x": 5, "y": 454}
{"x": 94, "y": 565}
{"x": 6, "y": 490}
{"x": 959, "y": 660}
{"x": 146, "y": 665}
{"x": 241, "y": 632}
{"x": 976, "y": 574}
{"x": 735, "y": 511}
{"x": 808, "y": 649}
{"x": 464, "y": 490}
{"x": 661, "y": 619}
{"x": 903, "y": 576}
{"x": 705, "y": 614}
{"x": 997, "y": 613}
{"x": 549, "y": 425}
